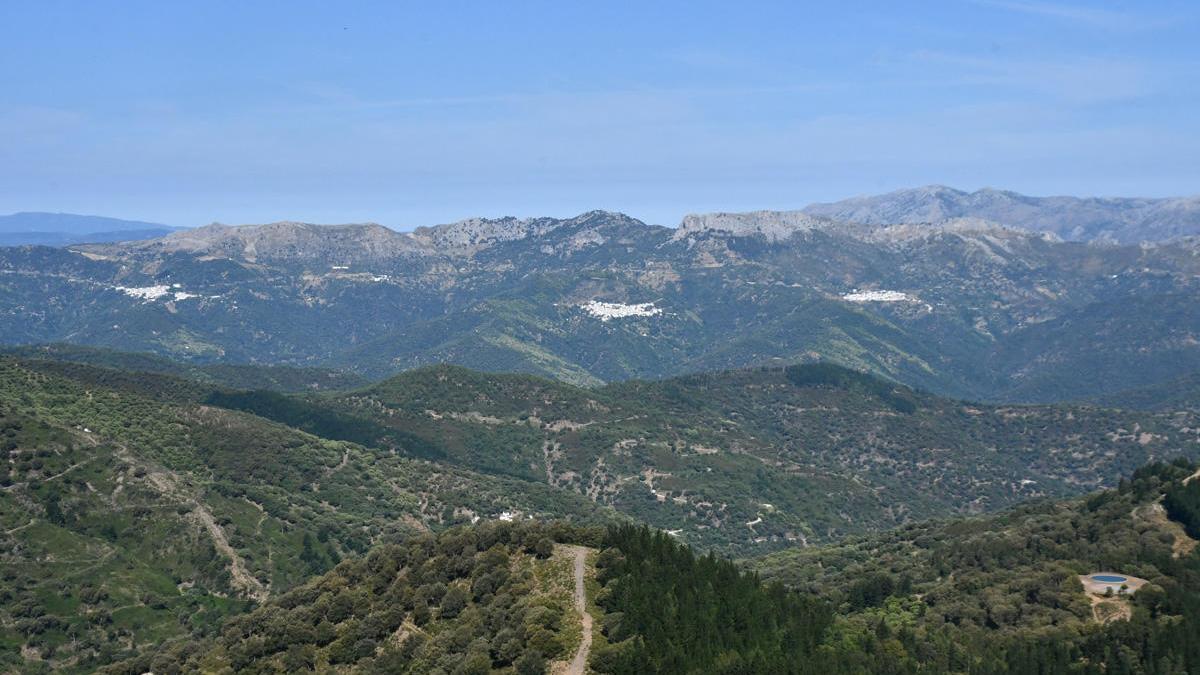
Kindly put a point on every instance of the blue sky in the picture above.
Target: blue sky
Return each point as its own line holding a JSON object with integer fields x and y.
{"x": 418, "y": 113}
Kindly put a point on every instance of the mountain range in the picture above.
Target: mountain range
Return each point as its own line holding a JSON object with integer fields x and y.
{"x": 962, "y": 307}
{"x": 30, "y": 228}
{"x": 350, "y": 448}
{"x": 1117, "y": 220}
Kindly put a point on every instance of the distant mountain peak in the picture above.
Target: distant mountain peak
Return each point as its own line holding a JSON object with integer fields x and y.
{"x": 60, "y": 229}
{"x": 1120, "y": 220}
{"x": 69, "y": 223}
{"x": 781, "y": 225}
{"x": 938, "y": 190}
{"x": 964, "y": 227}
{"x": 286, "y": 240}
{"x": 472, "y": 234}
{"x": 347, "y": 243}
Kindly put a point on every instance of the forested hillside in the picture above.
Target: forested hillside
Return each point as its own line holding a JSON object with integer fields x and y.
{"x": 745, "y": 461}
{"x": 992, "y": 595}
{"x": 1181, "y": 393}
{"x": 669, "y": 611}
{"x": 495, "y": 598}
{"x": 995, "y": 595}
{"x": 237, "y": 376}
{"x": 138, "y": 507}
{"x": 1002, "y": 594}
{"x": 474, "y": 600}
{"x": 130, "y": 514}
{"x": 754, "y": 459}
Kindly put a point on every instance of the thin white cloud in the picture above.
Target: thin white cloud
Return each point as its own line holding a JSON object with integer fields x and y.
{"x": 1094, "y": 16}
{"x": 40, "y": 121}
{"x": 1079, "y": 80}
{"x": 341, "y": 98}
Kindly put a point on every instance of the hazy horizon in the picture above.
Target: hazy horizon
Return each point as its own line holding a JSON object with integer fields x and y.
{"x": 190, "y": 114}
{"x": 566, "y": 215}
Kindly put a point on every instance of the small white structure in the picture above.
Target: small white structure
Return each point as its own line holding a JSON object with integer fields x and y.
{"x": 151, "y": 293}
{"x": 606, "y": 311}
{"x": 146, "y": 293}
{"x": 876, "y": 296}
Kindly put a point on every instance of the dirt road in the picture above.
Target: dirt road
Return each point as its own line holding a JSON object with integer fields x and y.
{"x": 578, "y": 665}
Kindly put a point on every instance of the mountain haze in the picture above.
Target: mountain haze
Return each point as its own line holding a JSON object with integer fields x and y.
{"x": 1118, "y": 220}
{"x": 60, "y": 229}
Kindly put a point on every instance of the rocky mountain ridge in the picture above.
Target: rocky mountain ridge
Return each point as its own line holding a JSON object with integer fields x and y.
{"x": 963, "y": 306}
{"x": 363, "y": 242}
{"x": 284, "y": 240}
{"x": 358, "y": 242}
{"x": 899, "y": 215}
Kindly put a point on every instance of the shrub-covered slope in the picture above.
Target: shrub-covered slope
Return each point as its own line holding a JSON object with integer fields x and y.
{"x": 127, "y": 518}
{"x": 162, "y": 503}
{"x": 754, "y": 459}
{"x": 233, "y": 375}
{"x": 496, "y": 597}
{"x": 1002, "y": 594}
{"x": 995, "y": 595}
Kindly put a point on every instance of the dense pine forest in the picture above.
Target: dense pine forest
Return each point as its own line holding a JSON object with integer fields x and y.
{"x": 1182, "y": 503}
{"x": 668, "y": 610}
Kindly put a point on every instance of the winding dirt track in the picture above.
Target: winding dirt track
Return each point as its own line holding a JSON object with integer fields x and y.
{"x": 578, "y": 665}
